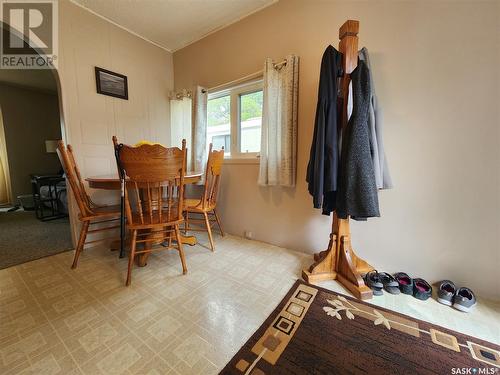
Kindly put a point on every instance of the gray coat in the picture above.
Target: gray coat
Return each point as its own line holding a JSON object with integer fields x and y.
{"x": 357, "y": 193}
{"x": 382, "y": 175}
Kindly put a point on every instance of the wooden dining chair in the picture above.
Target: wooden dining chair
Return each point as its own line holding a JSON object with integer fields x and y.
{"x": 153, "y": 197}
{"x": 204, "y": 208}
{"x": 90, "y": 213}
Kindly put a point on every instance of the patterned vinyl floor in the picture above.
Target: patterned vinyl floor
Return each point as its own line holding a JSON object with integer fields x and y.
{"x": 54, "y": 320}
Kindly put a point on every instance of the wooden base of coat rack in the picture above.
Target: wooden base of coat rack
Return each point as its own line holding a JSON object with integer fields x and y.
{"x": 338, "y": 261}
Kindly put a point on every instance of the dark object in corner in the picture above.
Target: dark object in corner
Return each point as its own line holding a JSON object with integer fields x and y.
{"x": 49, "y": 197}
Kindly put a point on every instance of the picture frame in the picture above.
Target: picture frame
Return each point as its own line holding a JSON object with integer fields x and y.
{"x": 111, "y": 83}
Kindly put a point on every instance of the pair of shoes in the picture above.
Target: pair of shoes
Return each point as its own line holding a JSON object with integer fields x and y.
{"x": 462, "y": 299}
{"x": 418, "y": 288}
{"x": 377, "y": 281}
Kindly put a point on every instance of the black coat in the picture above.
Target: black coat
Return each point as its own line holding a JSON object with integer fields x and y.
{"x": 357, "y": 193}
{"x": 322, "y": 170}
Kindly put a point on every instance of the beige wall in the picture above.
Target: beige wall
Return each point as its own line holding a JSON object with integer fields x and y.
{"x": 436, "y": 73}
{"x": 30, "y": 117}
{"x": 91, "y": 119}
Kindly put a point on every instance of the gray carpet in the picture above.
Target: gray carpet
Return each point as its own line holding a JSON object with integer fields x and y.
{"x": 24, "y": 238}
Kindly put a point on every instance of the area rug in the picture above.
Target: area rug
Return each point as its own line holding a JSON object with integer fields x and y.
{"x": 24, "y": 238}
{"x": 316, "y": 331}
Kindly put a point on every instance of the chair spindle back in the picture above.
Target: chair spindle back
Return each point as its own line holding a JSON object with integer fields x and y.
{"x": 212, "y": 177}
{"x": 74, "y": 178}
{"x": 155, "y": 186}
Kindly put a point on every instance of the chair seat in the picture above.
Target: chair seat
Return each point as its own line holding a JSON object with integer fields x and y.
{"x": 166, "y": 219}
{"x": 194, "y": 205}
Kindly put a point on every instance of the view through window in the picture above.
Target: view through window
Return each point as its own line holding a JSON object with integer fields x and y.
{"x": 250, "y": 121}
{"x": 234, "y": 120}
{"x": 219, "y": 123}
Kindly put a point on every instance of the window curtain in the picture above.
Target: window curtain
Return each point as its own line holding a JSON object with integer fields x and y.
{"x": 5, "y": 193}
{"x": 199, "y": 132}
{"x": 4, "y": 199}
{"x": 181, "y": 124}
{"x": 278, "y": 154}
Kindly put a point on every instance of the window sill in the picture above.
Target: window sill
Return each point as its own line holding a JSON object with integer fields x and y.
{"x": 240, "y": 160}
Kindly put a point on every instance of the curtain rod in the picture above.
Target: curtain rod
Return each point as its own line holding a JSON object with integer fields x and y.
{"x": 179, "y": 95}
{"x": 245, "y": 78}
{"x": 236, "y": 81}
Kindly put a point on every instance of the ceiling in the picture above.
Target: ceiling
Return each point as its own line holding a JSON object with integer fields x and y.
{"x": 173, "y": 24}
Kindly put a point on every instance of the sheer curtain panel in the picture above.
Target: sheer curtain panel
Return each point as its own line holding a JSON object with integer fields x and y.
{"x": 278, "y": 155}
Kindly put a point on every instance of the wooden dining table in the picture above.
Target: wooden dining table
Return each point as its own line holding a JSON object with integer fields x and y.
{"x": 112, "y": 182}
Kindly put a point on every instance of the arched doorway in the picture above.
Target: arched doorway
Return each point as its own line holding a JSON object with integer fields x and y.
{"x": 34, "y": 209}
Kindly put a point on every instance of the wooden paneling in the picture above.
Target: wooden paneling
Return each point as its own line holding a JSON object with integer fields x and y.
{"x": 91, "y": 119}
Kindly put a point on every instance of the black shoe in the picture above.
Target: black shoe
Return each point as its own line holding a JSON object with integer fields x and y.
{"x": 405, "y": 282}
{"x": 464, "y": 299}
{"x": 372, "y": 280}
{"x": 421, "y": 289}
{"x": 446, "y": 292}
{"x": 389, "y": 282}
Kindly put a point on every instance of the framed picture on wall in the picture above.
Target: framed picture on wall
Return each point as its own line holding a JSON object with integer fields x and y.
{"x": 111, "y": 83}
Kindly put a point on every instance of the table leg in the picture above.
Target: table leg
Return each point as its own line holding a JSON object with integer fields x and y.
{"x": 186, "y": 240}
{"x": 142, "y": 259}
{"x": 122, "y": 219}
{"x": 116, "y": 244}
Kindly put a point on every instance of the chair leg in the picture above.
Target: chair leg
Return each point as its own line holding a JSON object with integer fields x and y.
{"x": 186, "y": 222}
{"x": 170, "y": 238}
{"x": 209, "y": 230}
{"x": 181, "y": 250}
{"x": 81, "y": 242}
{"x": 218, "y": 223}
{"x": 131, "y": 257}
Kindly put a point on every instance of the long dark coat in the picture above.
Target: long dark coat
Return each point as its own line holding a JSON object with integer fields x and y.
{"x": 357, "y": 193}
{"x": 322, "y": 170}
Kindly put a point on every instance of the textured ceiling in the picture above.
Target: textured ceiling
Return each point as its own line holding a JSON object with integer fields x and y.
{"x": 173, "y": 24}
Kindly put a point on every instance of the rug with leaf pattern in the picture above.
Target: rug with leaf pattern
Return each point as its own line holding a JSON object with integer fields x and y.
{"x": 316, "y": 331}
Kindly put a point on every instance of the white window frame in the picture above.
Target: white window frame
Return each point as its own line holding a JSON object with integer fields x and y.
{"x": 235, "y": 126}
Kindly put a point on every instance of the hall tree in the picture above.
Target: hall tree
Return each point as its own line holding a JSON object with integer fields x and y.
{"x": 339, "y": 261}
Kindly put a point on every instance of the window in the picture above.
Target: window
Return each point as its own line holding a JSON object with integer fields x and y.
{"x": 219, "y": 122}
{"x": 234, "y": 120}
{"x": 219, "y": 141}
{"x": 250, "y": 121}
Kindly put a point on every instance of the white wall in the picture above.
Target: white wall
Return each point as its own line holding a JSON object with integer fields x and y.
{"x": 436, "y": 68}
{"x": 92, "y": 119}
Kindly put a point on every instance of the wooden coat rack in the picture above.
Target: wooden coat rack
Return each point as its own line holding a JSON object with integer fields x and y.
{"x": 338, "y": 261}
